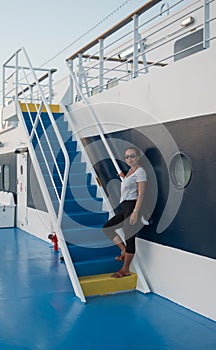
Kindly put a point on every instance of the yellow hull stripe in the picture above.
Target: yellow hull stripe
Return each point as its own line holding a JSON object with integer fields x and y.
{"x": 32, "y": 108}
{"x": 105, "y": 284}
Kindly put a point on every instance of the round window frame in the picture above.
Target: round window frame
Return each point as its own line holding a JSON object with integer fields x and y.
{"x": 172, "y": 170}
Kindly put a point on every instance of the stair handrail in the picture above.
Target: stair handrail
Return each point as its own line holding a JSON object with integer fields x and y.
{"x": 135, "y": 264}
{"x": 55, "y": 219}
{"x": 61, "y": 143}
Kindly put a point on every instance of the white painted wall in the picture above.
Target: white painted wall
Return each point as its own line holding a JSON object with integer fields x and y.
{"x": 12, "y": 139}
{"x": 38, "y": 224}
{"x": 185, "y": 278}
{"x": 61, "y": 91}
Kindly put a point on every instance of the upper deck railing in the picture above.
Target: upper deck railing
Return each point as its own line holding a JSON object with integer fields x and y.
{"x": 157, "y": 34}
{"x": 18, "y": 81}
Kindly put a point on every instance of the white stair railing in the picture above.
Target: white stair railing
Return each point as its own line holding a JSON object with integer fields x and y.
{"x": 56, "y": 219}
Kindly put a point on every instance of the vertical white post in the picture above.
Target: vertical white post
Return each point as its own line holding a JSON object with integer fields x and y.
{"x": 135, "y": 46}
{"x": 80, "y": 73}
{"x": 142, "y": 50}
{"x": 50, "y": 86}
{"x": 101, "y": 64}
{"x": 16, "y": 77}
{"x": 71, "y": 83}
{"x": 3, "y": 86}
{"x": 31, "y": 93}
{"x": 206, "y": 32}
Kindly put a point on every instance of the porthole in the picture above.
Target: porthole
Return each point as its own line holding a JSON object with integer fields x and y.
{"x": 181, "y": 170}
{"x": 6, "y": 177}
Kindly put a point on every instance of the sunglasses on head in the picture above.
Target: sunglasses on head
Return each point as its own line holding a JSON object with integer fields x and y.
{"x": 133, "y": 155}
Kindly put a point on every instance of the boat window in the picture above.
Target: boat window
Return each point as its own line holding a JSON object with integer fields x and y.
{"x": 188, "y": 45}
{"x": 181, "y": 170}
{"x": 6, "y": 177}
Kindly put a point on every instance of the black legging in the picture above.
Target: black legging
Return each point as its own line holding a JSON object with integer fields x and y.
{"x": 122, "y": 219}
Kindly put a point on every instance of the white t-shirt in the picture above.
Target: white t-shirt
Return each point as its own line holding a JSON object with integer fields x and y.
{"x": 129, "y": 185}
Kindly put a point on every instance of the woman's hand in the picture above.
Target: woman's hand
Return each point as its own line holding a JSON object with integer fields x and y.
{"x": 121, "y": 174}
{"x": 133, "y": 218}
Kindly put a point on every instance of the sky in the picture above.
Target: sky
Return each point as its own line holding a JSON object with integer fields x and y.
{"x": 46, "y": 27}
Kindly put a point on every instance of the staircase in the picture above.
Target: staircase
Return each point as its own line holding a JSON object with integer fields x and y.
{"x": 92, "y": 254}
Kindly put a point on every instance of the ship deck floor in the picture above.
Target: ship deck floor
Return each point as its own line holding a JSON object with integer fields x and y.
{"x": 38, "y": 309}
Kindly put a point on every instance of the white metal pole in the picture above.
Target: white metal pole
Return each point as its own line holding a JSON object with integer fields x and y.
{"x": 206, "y": 31}
{"x": 101, "y": 65}
{"x": 135, "y": 46}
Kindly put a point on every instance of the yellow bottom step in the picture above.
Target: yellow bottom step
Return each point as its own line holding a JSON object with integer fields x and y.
{"x": 104, "y": 284}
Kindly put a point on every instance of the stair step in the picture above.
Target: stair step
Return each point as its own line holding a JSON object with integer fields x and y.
{"x": 44, "y": 115}
{"x": 77, "y": 179}
{"x": 75, "y": 191}
{"x": 87, "y": 235}
{"x": 82, "y": 191}
{"x": 75, "y": 168}
{"x": 74, "y": 156}
{"x": 80, "y": 179}
{"x": 53, "y": 142}
{"x": 69, "y": 144}
{"x": 83, "y": 204}
{"x": 80, "y": 253}
{"x": 65, "y": 134}
{"x": 97, "y": 266}
{"x": 105, "y": 284}
{"x": 45, "y": 121}
{"x": 85, "y": 219}
{"x": 78, "y": 205}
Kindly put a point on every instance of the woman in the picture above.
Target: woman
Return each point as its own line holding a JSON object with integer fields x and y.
{"x": 132, "y": 192}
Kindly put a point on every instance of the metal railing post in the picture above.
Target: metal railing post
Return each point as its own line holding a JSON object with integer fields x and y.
{"x": 80, "y": 72}
{"x": 31, "y": 93}
{"x": 101, "y": 65}
{"x": 3, "y": 87}
{"x": 71, "y": 84}
{"x": 135, "y": 45}
{"x": 16, "y": 75}
{"x": 142, "y": 51}
{"x": 206, "y": 31}
{"x": 50, "y": 85}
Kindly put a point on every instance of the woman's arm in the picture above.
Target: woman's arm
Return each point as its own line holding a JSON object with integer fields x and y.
{"x": 140, "y": 191}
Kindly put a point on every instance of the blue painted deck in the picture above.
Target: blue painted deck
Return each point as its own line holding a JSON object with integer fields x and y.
{"x": 38, "y": 309}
